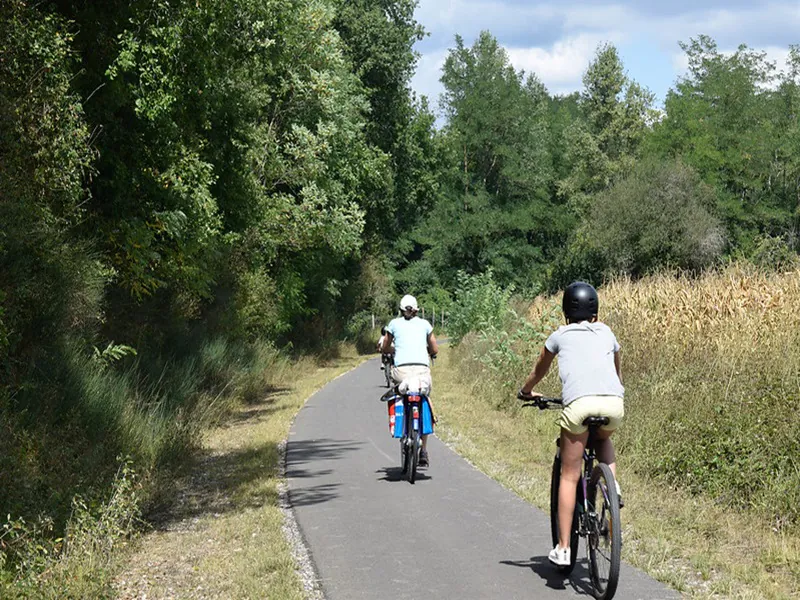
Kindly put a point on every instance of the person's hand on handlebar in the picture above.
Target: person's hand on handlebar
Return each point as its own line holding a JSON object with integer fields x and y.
{"x": 523, "y": 395}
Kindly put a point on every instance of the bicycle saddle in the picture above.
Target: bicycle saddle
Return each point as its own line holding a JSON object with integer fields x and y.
{"x": 595, "y": 421}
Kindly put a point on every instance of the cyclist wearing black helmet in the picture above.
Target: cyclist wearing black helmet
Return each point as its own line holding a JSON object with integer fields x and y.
{"x": 589, "y": 367}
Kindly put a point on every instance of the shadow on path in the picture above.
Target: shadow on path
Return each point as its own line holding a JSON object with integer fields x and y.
{"x": 577, "y": 580}
{"x": 396, "y": 474}
{"x": 306, "y": 451}
{"x": 301, "y": 453}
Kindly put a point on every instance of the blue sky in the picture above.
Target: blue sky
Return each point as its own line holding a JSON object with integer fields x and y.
{"x": 556, "y": 40}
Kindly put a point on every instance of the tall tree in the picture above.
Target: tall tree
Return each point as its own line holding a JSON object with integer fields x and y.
{"x": 379, "y": 36}
{"x": 497, "y": 212}
{"x": 720, "y": 120}
{"x": 604, "y": 144}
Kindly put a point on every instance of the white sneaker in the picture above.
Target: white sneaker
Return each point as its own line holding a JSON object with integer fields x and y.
{"x": 559, "y": 556}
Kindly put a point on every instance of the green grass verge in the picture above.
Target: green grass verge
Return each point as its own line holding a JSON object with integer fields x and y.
{"x": 126, "y": 435}
{"x": 224, "y": 535}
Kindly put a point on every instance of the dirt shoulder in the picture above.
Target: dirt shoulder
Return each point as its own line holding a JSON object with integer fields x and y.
{"x": 221, "y": 535}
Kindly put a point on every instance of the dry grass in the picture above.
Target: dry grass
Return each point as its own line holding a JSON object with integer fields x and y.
{"x": 223, "y": 538}
{"x": 709, "y": 452}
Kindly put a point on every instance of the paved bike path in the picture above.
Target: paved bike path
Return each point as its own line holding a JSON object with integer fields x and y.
{"x": 455, "y": 533}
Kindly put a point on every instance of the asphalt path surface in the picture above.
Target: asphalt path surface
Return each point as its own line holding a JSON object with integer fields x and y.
{"x": 455, "y": 533}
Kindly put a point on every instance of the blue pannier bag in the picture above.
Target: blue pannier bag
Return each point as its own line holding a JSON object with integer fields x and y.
{"x": 396, "y": 419}
{"x": 427, "y": 417}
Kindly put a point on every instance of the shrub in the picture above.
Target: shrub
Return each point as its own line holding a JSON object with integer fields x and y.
{"x": 660, "y": 216}
{"x": 776, "y": 252}
{"x": 479, "y": 303}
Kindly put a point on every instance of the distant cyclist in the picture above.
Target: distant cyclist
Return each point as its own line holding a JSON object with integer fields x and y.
{"x": 380, "y": 340}
{"x": 589, "y": 366}
{"x": 414, "y": 344}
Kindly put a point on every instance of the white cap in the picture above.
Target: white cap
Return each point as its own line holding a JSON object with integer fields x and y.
{"x": 408, "y": 301}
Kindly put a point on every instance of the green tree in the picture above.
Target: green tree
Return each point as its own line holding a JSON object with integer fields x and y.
{"x": 51, "y": 284}
{"x": 497, "y": 210}
{"x": 378, "y": 38}
{"x": 661, "y": 215}
{"x": 603, "y": 145}
{"x": 721, "y": 121}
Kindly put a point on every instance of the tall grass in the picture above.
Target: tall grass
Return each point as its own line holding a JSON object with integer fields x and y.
{"x": 711, "y": 367}
{"x": 74, "y": 485}
{"x": 712, "y": 373}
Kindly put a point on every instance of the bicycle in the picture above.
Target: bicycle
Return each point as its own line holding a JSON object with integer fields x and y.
{"x": 387, "y": 360}
{"x": 599, "y": 523}
{"x": 410, "y": 411}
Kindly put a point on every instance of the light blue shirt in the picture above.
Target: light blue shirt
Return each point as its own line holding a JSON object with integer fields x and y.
{"x": 586, "y": 360}
{"x": 410, "y": 341}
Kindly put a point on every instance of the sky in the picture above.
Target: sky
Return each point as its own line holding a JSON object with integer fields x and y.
{"x": 557, "y": 39}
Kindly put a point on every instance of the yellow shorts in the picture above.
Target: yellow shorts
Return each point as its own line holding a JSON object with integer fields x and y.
{"x": 575, "y": 413}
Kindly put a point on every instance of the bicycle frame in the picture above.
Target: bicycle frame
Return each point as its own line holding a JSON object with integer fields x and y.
{"x": 589, "y": 457}
{"x": 411, "y": 439}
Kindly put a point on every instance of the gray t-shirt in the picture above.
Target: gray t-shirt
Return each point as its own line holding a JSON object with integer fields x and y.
{"x": 586, "y": 360}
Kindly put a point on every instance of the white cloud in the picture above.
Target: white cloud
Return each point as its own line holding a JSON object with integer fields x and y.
{"x": 607, "y": 17}
{"x": 556, "y": 39}
{"x": 680, "y": 62}
{"x": 561, "y": 67}
{"x": 426, "y": 78}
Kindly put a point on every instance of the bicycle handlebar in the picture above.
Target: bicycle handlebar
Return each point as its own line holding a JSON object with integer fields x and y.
{"x": 540, "y": 402}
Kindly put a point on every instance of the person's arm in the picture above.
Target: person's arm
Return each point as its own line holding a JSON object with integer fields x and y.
{"x": 617, "y": 365}
{"x": 539, "y": 371}
{"x": 433, "y": 346}
{"x": 387, "y": 343}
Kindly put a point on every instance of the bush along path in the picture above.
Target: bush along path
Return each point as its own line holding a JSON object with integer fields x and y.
{"x": 221, "y": 534}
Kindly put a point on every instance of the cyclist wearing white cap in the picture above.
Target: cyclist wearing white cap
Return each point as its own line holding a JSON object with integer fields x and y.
{"x": 414, "y": 344}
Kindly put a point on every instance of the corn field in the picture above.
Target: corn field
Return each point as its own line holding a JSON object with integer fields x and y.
{"x": 711, "y": 367}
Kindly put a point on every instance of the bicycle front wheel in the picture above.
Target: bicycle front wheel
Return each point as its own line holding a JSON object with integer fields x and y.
{"x": 555, "y": 482}
{"x": 604, "y": 541}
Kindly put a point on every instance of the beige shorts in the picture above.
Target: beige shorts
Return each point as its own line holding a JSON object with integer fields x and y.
{"x": 417, "y": 377}
{"x": 575, "y": 413}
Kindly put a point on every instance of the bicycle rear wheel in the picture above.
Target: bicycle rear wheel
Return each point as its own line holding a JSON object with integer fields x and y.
{"x": 387, "y": 373}
{"x": 604, "y": 542}
{"x": 413, "y": 457}
{"x": 555, "y": 482}
{"x": 403, "y": 455}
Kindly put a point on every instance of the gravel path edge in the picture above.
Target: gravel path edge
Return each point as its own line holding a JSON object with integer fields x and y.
{"x": 291, "y": 530}
{"x": 306, "y": 569}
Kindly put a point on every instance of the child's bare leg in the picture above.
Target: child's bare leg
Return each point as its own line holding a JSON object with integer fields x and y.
{"x": 605, "y": 450}
{"x": 572, "y": 447}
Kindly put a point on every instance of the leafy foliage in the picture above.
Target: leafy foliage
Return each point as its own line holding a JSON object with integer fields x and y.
{"x": 479, "y": 303}
{"x": 174, "y": 172}
{"x": 202, "y": 181}
{"x": 659, "y": 216}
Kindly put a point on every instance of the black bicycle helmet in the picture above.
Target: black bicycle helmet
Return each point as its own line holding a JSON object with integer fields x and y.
{"x": 580, "y": 301}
